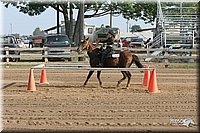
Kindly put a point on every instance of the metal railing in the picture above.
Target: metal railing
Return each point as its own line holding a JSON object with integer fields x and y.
{"x": 76, "y": 55}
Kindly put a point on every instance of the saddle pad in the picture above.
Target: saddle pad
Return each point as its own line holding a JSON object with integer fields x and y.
{"x": 115, "y": 55}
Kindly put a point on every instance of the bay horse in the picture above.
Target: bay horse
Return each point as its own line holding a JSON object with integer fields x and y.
{"x": 124, "y": 60}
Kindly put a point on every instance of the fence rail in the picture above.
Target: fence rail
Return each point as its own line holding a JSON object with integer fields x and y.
{"x": 43, "y": 53}
{"x": 123, "y": 48}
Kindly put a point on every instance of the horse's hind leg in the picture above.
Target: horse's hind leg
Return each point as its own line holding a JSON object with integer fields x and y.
{"x": 129, "y": 79}
{"x": 98, "y": 77}
{"x": 124, "y": 77}
{"x": 88, "y": 77}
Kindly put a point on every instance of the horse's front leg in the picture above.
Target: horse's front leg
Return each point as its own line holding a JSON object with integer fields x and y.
{"x": 88, "y": 77}
{"x": 98, "y": 77}
{"x": 129, "y": 79}
{"x": 124, "y": 77}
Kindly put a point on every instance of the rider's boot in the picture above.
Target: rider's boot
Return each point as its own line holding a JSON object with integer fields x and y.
{"x": 101, "y": 61}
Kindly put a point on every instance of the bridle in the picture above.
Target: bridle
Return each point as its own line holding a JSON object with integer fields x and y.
{"x": 88, "y": 46}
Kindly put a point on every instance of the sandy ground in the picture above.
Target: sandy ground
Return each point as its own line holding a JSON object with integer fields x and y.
{"x": 66, "y": 105}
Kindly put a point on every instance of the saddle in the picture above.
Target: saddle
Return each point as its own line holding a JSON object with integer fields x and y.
{"x": 110, "y": 54}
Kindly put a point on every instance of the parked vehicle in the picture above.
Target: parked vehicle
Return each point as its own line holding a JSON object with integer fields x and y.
{"x": 21, "y": 43}
{"x": 10, "y": 42}
{"x": 137, "y": 43}
{"x": 134, "y": 42}
{"x": 26, "y": 42}
{"x": 99, "y": 34}
{"x": 60, "y": 42}
{"x": 36, "y": 41}
{"x": 126, "y": 41}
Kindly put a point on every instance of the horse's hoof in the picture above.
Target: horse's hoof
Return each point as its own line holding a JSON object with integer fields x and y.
{"x": 101, "y": 85}
{"x": 118, "y": 85}
{"x": 128, "y": 85}
{"x": 125, "y": 88}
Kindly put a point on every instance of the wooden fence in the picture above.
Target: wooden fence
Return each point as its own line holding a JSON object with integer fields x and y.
{"x": 43, "y": 53}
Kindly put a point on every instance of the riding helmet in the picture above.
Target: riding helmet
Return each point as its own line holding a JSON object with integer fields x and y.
{"x": 112, "y": 33}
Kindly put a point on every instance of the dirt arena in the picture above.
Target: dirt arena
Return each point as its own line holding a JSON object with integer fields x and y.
{"x": 66, "y": 105}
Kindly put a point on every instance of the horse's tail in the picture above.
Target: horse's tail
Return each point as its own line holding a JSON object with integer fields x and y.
{"x": 137, "y": 61}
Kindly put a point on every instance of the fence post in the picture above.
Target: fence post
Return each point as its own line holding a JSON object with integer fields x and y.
{"x": 75, "y": 57}
{"x": 45, "y": 54}
{"x": 165, "y": 38}
{"x": 7, "y": 54}
{"x": 193, "y": 38}
{"x": 148, "y": 48}
{"x": 166, "y": 59}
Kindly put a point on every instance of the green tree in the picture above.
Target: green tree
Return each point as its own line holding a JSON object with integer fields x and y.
{"x": 37, "y": 31}
{"x": 135, "y": 28}
{"x": 66, "y": 8}
{"x": 146, "y": 11}
{"x": 130, "y": 10}
{"x": 174, "y": 8}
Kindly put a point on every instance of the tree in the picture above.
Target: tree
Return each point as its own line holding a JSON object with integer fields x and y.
{"x": 146, "y": 11}
{"x": 37, "y": 31}
{"x": 135, "y": 28}
{"x": 66, "y": 8}
{"x": 130, "y": 10}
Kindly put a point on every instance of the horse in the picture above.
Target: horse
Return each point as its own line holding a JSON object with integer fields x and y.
{"x": 125, "y": 60}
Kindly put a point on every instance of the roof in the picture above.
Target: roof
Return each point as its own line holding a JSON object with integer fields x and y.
{"x": 51, "y": 28}
{"x": 146, "y": 29}
{"x": 37, "y": 36}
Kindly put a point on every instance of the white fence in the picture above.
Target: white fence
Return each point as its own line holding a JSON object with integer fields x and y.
{"x": 161, "y": 53}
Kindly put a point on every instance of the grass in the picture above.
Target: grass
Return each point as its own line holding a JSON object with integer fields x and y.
{"x": 185, "y": 66}
{"x": 20, "y": 65}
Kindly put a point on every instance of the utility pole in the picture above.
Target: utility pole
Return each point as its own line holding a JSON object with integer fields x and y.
{"x": 58, "y": 19}
{"x": 109, "y": 2}
{"x": 127, "y": 26}
{"x": 111, "y": 19}
{"x": 81, "y": 34}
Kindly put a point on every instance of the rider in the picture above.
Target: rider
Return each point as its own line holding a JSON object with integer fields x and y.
{"x": 109, "y": 42}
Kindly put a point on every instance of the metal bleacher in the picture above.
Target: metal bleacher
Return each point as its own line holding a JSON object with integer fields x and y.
{"x": 176, "y": 25}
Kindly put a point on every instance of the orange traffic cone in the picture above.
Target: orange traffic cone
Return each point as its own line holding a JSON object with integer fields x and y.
{"x": 31, "y": 82}
{"x": 146, "y": 77}
{"x": 43, "y": 78}
{"x": 153, "y": 88}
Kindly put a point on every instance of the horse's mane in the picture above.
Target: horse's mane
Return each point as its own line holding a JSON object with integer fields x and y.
{"x": 91, "y": 45}
{"x": 94, "y": 51}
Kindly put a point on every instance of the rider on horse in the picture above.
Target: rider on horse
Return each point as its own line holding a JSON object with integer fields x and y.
{"x": 109, "y": 42}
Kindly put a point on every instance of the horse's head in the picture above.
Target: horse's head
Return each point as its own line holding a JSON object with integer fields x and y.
{"x": 84, "y": 45}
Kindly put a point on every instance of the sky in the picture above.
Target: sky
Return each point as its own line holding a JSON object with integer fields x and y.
{"x": 13, "y": 21}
